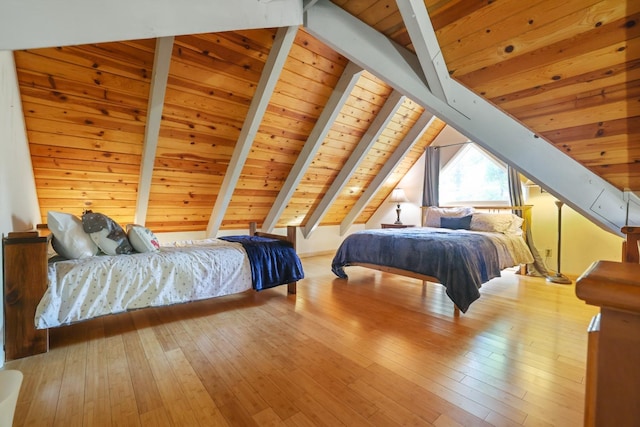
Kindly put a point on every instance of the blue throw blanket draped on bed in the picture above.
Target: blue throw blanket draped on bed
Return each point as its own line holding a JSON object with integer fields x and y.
{"x": 273, "y": 262}
{"x": 461, "y": 262}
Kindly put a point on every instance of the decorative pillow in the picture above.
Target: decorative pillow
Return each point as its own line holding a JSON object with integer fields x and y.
{"x": 142, "y": 239}
{"x": 106, "y": 233}
{"x": 434, "y": 214}
{"x": 506, "y": 223}
{"x": 516, "y": 226}
{"x": 463, "y": 223}
{"x": 69, "y": 239}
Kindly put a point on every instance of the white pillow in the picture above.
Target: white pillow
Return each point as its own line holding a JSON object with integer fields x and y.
{"x": 433, "y": 214}
{"x": 142, "y": 239}
{"x": 69, "y": 238}
{"x": 516, "y": 226}
{"x": 506, "y": 223}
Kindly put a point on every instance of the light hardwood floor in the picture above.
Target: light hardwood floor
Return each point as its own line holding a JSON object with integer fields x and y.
{"x": 379, "y": 350}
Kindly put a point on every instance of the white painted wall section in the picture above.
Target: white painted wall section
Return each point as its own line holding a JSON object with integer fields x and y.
{"x": 19, "y": 208}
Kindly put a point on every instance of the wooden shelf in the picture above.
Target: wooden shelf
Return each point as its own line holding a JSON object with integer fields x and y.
{"x": 397, "y": 225}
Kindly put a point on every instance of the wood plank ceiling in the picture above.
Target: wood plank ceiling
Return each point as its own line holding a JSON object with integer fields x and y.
{"x": 568, "y": 70}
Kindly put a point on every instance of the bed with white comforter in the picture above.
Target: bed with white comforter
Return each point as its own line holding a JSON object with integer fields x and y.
{"x": 101, "y": 285}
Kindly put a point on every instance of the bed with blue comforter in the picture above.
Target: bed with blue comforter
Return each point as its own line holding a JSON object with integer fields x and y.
{"x": 461, "y": 260}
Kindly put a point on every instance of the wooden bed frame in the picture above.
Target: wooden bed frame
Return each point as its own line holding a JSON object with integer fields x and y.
{"x": 630, "y": 251}
{"x": 290, "y": 237}
{"x": 25, "y": 282}
{"x": 526, "y": 216}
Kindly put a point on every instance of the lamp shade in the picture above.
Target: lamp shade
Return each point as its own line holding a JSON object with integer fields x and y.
{"x": 398, "y": 196}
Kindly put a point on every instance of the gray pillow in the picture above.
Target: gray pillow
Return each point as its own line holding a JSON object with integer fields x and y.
{"x": 106, "y": 233}
{"x": 463, "y": 223}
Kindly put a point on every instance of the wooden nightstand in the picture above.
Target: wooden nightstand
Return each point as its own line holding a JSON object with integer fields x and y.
{"x": 397, "y": 225}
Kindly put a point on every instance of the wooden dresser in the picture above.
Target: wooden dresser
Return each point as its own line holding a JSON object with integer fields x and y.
{"x": 25, "y": 281}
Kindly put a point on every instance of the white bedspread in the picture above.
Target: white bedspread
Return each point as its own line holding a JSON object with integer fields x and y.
{"x": 100, "y": 285}
{"x": 512, "y": 249}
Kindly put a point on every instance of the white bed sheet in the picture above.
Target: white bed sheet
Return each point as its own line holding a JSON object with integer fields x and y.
{"x": 181, "y": 272}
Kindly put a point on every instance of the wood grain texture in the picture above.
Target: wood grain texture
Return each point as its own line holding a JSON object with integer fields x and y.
{"x": 97, "y": 96}
{"x": 561, "y": 68}
{"x": 377, "y": 350}
{"x": 21, "y": 294}
{"x": 569, "y": 71}
{"x": 614, "y": 376}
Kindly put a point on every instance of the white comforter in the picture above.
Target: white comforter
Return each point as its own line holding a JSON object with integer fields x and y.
{"x": 512, "y": 249}
{"x": 100, "y": 285}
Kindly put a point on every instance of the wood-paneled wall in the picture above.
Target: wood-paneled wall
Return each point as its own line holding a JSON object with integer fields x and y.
{"x": 212, "y": 80}
{"x": 86, "y": 110}
{"x": 568, "y": 70}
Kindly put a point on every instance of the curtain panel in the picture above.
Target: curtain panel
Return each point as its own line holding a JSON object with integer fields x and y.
{"x": 537, "y": 268}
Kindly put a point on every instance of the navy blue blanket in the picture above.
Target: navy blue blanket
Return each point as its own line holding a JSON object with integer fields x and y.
{"x": 461, "y": 262}
{"x": 273, "y": 262}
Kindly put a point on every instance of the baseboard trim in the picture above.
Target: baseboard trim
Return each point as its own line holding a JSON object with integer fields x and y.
{"x": 319, "y": 253}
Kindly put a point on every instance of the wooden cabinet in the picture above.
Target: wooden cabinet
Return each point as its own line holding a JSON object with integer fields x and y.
{"x": 25, "y": 281}
{"x": 397, "y": 225}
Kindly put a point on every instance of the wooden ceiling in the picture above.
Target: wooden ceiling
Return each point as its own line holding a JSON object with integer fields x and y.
{"x": 567, "y": 70}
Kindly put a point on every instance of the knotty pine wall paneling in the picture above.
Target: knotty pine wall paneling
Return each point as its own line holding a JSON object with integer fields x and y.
{"x": 85, "y": 111}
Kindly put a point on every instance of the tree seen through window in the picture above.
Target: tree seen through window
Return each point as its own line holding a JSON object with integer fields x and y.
{"x": 473, "y": 176}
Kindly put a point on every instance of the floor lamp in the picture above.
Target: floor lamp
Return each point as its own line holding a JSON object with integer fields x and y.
{"x": 559, "y": 277}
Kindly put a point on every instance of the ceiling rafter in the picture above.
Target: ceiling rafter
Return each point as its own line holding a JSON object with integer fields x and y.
{"x": 334, "y": 105}
{"x": 379, "y": 124}
{"x": 308, "y": 3}
{"x": 159, "y": 77}
{"x": 476, "y": 118}
{"x": 282, "y": 44}
{"x": 30, "y": 24}
{"x": 423, "y": 37}
{"x": 415, "y": 133}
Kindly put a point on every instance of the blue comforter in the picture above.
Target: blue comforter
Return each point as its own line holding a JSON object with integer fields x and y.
{"x": 461, "y": 262}
{"x": 273, "y": 262}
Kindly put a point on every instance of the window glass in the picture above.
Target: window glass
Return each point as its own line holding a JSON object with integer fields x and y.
{"x": 473, "y": 176}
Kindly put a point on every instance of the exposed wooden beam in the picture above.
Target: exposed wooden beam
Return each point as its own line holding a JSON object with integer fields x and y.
{"x": 336, "y": 101}
{"x": 29, "y": 24}
{"x": 476, "y": 118}
{"x": 416, "y": 132}
{"x": 390, "y": 107}
{"x": 423, "y": 37}
{"x": 159, "y": 76}
{"x": 308, "y": 3}
{"x": 271, "y": 73}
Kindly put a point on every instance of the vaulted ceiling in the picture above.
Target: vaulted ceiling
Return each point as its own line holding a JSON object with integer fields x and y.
{"x": 280, "y": 126}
